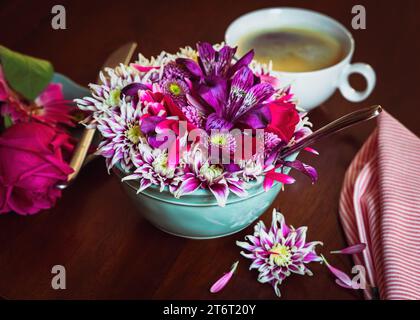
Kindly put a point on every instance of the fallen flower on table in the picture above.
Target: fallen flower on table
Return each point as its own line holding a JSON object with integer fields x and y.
{"x": 357, "y": 248}
{"x": 282, "y": 250}
{"x": 279, "y": 251}
{"x": 222, "y": 282}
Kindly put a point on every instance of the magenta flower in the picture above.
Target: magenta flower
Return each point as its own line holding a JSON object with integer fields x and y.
{"x": 51, "y": 107}
{"x": 279, "y": 251}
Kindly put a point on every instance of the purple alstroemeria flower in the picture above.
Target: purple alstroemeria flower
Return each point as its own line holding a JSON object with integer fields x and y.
{"x": 227, "y": 94}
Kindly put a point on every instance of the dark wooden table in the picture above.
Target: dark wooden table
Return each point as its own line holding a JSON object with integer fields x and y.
{"x": 107, "y": 248}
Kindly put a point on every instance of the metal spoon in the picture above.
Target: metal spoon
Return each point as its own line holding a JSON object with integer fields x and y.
{"x": 337, "y": 125}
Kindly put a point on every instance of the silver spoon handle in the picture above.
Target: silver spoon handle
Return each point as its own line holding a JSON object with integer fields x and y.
{"x": 337, "y": 125}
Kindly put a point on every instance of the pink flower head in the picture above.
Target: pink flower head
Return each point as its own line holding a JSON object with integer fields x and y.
{"x": 31, "y": 164}
{"x": 51, "y": 107}
{"x": 279, "y": 251}
{"x": 122, "y": 134}
{"x": 212, "y": 177}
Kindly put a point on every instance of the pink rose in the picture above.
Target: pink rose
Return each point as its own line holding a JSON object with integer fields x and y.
{"x": 31, "y": 164}
{"x": 284, "y": 118}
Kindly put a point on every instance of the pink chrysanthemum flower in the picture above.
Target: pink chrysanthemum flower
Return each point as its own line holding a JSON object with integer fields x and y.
{"x": 279, "y": 251}
{"x": 152, "y": 168}
{"x": 106, "y": 97}
{"x": 122, "y": 134}
{"x": 51, "y": 107}
{"x": 209, "y": 176}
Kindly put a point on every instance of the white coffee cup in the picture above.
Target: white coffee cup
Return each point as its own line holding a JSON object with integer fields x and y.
{"x": 311, "y": 88}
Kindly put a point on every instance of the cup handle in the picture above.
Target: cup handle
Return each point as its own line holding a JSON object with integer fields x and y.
{"x": 348, "y": 91}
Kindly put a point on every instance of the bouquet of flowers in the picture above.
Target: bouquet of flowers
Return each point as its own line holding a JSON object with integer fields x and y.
{"x": 196, "y": 119}
{"x": 33, "y": 134}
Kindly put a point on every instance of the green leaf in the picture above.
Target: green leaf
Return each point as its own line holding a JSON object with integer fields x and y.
{"x": 7, "y": 121}
{"x": 27, "y": 75}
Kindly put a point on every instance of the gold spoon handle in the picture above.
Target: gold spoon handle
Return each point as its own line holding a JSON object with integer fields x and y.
{"x": 337, "y": 125}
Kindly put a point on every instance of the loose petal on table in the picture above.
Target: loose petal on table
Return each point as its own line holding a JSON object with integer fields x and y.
{"x": 222, "y": 282}
{"x": 357, "y": 248}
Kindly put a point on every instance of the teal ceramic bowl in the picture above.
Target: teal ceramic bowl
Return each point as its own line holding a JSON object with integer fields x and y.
{"x": 71, "y": 89}
{"x": 197, "y": 215}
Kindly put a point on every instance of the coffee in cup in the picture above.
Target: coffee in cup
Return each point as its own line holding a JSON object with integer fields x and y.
{"x": 310, "y": 51}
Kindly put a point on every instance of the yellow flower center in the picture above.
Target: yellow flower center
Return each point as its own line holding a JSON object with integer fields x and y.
{"x": 211, "y": 172}
{"x": 114, "y": 97}
{"x": 160, "y": 164}
{"x": 219, "y": 139}
{"x": 134, "y": 134}
{"x": 175, "y": 89}
{"x": 280, "y": 255}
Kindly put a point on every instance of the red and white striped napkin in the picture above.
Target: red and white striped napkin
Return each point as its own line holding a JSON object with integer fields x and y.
{"x": 380, "y": 206}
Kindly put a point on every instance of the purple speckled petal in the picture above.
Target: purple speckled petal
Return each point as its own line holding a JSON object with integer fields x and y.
{"x": 242, "y": 81}
{"x": 224, "y": 60}
{"x": 255, "y": 96}
{"x": 207, "y": 56}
